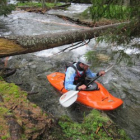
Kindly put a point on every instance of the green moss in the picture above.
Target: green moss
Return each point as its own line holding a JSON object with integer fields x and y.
{"x": 25, "y": 93}
{"x": 23, "y": 137}
{"x": 1, "y": 78}
{"x": 4, "y": 137}
{"x": 15, "y": 100}
{"x": 10, "y": 91}
{"x": 96, "y": 116}
{"x": 32, "y": 4}
{"x": 34, "y": 105}
{"x": 6, "y": 88}
{"x": 122, "y": 133}
{"x": 1, "y": 127}
{"x": 3, "y": 111}
{"x": 7, "y": 99}
{"x": 13, "y": 89}
{"x": 92, "y": 127}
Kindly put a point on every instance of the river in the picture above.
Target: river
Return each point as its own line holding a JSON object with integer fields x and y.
{"x": 122, "y": 81}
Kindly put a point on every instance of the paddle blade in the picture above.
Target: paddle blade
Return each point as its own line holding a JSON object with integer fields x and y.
{"x": 68, "y": 98}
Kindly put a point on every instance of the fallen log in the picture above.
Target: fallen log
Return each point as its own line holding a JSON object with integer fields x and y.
{"x": 41, "y": 10}
{"x": 15, "y": 45}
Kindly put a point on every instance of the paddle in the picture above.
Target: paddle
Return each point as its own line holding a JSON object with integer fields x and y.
{"x": 70, "y": 97}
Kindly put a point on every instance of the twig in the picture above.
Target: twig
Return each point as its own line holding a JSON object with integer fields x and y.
{"x": 1, "y": 99}
{"x": 107, "y": 132}
{"x": 13, "y": 107}
{"x": 69, "y": 47}
{"x": 72, "y": 46}
{"x": 98, "y": 129}
{"x": 80, "y": 45}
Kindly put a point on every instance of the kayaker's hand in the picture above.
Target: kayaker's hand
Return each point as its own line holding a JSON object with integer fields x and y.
{"x": 101, "y": 73}
{"x": 82, "y": 87}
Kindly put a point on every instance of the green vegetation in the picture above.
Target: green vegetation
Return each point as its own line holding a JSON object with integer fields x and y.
{"x": 104, "y": 12}
{"x": 5, "y": 8}
{"x": 3, "y": 111}
{"x": 77, "y": 1}
{"x": 100, "y": 10}
{"x": 121, "y": 11}
{"x": 96, "y": 58}
{"x": 10, "y": 90}
{"x": 85, "y": 15}
{"x": 14, "y": 104}
{"x": 94, "y": 126}
{"x": 5, "y": 137}
{"x": 111, "y": 11}
{"x": 33, "y": 4}
{"x": 1, "y": 77}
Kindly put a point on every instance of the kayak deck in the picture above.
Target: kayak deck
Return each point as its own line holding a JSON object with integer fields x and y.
{"x": 99, "y": 99}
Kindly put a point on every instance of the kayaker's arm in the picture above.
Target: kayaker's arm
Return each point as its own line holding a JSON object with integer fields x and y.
{"x": 93, "y": 75}
{"x": 101, "y": 73}
{"x": 90, "y": 74}
{"x": 69, "y": 79}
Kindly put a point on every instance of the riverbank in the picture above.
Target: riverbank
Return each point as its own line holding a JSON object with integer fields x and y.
{"x": 29, "y": 109}
{"x": 83, "y": 18}
{"x": 19, "y": 118}
{"x": 39, "y": 8}
{"x": 22, "y": 119}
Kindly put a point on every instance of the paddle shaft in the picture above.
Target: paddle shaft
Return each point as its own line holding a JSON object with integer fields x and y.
{"x": 106, "y": 70}
{"x": 93, "y": 80}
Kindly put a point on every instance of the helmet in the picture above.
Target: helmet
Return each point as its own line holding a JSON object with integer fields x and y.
{"x": 84, "y": 60}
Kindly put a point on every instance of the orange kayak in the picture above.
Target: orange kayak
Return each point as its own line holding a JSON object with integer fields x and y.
{"x": 99, "y": 99}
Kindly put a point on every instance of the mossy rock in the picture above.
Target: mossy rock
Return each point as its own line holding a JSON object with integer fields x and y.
{"x": 20, "y": 111}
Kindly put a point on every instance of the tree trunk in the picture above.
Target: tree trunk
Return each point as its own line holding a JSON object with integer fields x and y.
{"x": 126, "y": 2}
{"x": 43, "y": 4}
{"x": 55, "y": 2}
{"x": 15, "y": 45}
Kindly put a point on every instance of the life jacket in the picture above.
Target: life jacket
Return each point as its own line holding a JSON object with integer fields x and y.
{"x": 79, "y": 78}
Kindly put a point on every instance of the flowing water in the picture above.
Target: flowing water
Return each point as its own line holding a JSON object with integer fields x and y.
{"x": 122, "y": 81}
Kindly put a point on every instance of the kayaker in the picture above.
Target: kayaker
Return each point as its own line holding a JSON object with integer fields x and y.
{"x": 76, "y": 74}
